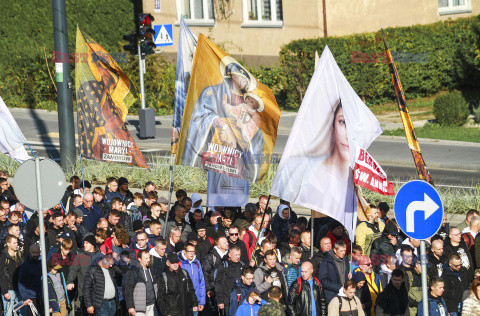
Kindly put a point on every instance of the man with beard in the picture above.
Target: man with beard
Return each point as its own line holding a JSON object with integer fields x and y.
{"x": 56, "y": 228}
{"x": 270, "y": 273}
{"x": 393, "y": 300}
{"x": 435, "y": 259}
{"x": 373, "y": 280}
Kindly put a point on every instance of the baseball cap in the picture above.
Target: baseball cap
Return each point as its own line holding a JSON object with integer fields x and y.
{"x": 173, "y": 258}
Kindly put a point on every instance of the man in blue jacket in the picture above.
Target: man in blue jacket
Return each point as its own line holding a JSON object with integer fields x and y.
{"x": 241, "y": 288}
{"x": 436, "y": 304}
{"x": 334, "y": 270}
{"x": 190, "y": 263}
{"x": 30, "y": 278}
{"x": 91, "y": 214}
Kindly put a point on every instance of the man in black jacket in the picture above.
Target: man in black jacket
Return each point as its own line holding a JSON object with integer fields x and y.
{"x": 234, "y": 240}
{"x": 226, "y": 274}
{"x": 456, "y": 284}
{"x": 435, "y": 259}
{"x": 393, "y": 300}
{"x": 384, "y": 246}
{"x": 56, "y": 228}
{"x": 176, "y": 294}
{"x": 455, "y": 244}
{"x": 99, "y": 291}
{"x": 159, "y": 257}
{"x": 299, "y": 302}
{"x": 10, "y": 262}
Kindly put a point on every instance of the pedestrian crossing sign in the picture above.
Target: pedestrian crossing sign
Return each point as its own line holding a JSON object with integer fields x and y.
{"x": 163, "y": 35}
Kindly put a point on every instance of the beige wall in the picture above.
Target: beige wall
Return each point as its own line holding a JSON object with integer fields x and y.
{"x": 304, "y": 19}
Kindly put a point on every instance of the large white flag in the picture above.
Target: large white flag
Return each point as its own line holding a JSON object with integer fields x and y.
{"x": 316, "y": 168}
{"x": 11, "y": 137}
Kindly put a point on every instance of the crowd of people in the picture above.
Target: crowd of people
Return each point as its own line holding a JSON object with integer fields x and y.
{"x": 113, "y": 252}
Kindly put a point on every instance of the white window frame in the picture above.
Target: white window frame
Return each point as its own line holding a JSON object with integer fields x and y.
{"x": 274, "y": 22}
{"x": 195, "y": 22}
{"x": 451, "y": 9}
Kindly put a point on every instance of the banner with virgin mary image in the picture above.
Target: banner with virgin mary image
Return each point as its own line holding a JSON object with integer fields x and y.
{"x": 103, "y": 98}
{"x": 230, "y": 120}
{"x": 316, "y": 168}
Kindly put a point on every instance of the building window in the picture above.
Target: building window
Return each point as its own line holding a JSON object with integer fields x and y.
{"x": 262, "y": 13}
{"x": 454, "y": 6}
{"x": 196, "y": 12}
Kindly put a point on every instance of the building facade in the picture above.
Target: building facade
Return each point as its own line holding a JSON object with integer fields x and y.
{"x": 256, "y": 30}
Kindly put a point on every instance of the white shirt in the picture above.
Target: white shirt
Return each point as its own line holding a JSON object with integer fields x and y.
{"x": 109, "y": 286}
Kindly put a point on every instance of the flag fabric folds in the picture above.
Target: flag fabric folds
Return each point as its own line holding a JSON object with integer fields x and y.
{"x": 422, "y": 170}
{"x": 103, "y": 98}
{"x": 316, "y": 168}
{"x": 226, "y": 191}
{"x": 370, "y": 175}
{"x": 11, "y": 137}
{"x": 230, "y": 120}
{"x": 187, "y": 42}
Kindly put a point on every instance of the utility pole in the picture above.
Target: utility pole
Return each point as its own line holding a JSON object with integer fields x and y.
{"x": 64, "y": 86}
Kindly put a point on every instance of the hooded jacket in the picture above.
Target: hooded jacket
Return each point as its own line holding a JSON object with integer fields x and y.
{"x": 194, "y": 269}
{"x": 239, "y": 293}
{"x": 136, "y": 287}
{"x": 29, "y": 278}
{"x": 210, "y": 263}
{"x": 280, "y": 224}
{"x": 341, "y": 305}
{"x": 245, "y": 309}
{"x": 291, "y": 271}
{"x": 9, "y": 267}
{"x": 79, "y": 267}
{"x": 392, "y": 301}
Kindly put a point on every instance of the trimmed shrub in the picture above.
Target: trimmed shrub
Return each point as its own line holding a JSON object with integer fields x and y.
{"x": 451, "y": 109}
{"x": 476, "y": 115}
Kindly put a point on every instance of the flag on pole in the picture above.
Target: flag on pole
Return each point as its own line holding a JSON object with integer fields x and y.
{"x": 187, "y": 42}
{"x": 422, "y": 170}
{"x": 316, "y": 168}
{"x": 103, "y": 98}
{"x": 11, "y": 137}
{"x": 223, "y": 190}
{"x": 230, "y": 120}
{"x": 370, "y": 175}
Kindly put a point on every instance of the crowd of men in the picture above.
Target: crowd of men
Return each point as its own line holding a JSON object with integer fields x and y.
{"x": 112, "y": 252}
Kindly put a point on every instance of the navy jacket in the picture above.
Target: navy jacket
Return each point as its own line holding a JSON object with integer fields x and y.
{"x": 239, "y": 288}
{"x": 329, "y": 277}
{"x": 90, "y": 217}
{"x": 30, "y": 279}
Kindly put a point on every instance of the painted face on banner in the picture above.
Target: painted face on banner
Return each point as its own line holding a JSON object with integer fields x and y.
{"x": 340, "y": 135}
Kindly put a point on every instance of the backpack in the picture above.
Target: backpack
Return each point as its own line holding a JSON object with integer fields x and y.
{"x": 370, "y": 238}
{"x": 469, "y": 240}
{"x": 225, "y": 265}
{"x": 299, "y": 285}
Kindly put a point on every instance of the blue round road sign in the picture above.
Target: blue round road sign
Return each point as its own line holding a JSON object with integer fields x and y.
{"x": 418, "y": 209}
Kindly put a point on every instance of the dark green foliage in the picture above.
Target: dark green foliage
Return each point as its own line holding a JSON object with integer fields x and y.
{"x": 451, "y": 109}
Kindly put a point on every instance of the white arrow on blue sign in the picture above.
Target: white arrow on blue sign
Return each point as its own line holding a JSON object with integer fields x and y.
{"x": 418, "y": 209}
{"x": 163, "y": 35}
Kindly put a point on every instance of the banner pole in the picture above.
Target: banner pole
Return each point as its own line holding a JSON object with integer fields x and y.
{"x": 170, "y": 190}
{"x": 81, "y": 169}
{"x": 311, "y": 234}
{"x": 261, "y": 225}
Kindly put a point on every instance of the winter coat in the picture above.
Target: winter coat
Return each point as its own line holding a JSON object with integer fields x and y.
{"x": 53, "y": 295}
{"x": 9, "y": 268}
{"x": 301, "y": 304}
{"x": 316, "y": 261}
{"x": 471, "y": 306}
{"x": 227, "y": 273}
{"x": 245, "y": 309}
{"x": 434, "y": 306}
{"x": 280, "y": 227}
{"x": 366, "y": 233}
{"x": 30, "y": 279}
{"x": 343, "y": 306}
{"x": 343, "y": 238}
{"x": 53, "y": 233}
{"x": 434, "y": 265}
{"x": 94, "y": 286}
{"x": 210, "y": 263}
{"x": 77, "y": 271}
{"x": 194, "y": 269}
{"x": 186, "y": 229}
{"x": 135, "y": 292}
{"x": 272, "y": 308}
{"x": 381, "y": 249}
{"x": 455, "y": 285}
{"x": 176, "y": 296}
{"x": 203, "y": 247}
{"x": 243, "y": 250}
{"x": 464, "y": 253}
{"x": 110, "y": 195}
{"x": 391, "y": 301}
{"x": 330, "y": 278}
{"x": 238, "y": 295}
{"x": 157, "y": 263}
{"x": 291, "y": 272}
{"x": 363, "y": 294}
{"x": 90, "y": 217}
{"x": 249, "y": 239}
{"x": 263, "y": 286}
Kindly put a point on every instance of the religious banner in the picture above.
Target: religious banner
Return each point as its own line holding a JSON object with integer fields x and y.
{"x": 230, "y": 120}
{"x": 103, "y": 98}
{"x": 187, "y": 42}
{"x": 11, "y": 137}
{"x": 316, "y": 168}
{"x": 226, "y": 191}
{"x": 370, "y": 175}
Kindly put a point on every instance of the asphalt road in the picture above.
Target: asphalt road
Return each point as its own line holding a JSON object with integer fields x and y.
{"x": 450, "y": 163}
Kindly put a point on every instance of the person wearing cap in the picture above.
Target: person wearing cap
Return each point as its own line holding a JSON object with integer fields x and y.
{"x": 334, "y": 270}
{"x": 374, "y": 282}
{"x": 362, "y": 291}
{"x": 176, "y": 294}
{"x": 89, "y": 212}
{"x": 191, "y": 264}
{"x": 124, "y": 191}
{"x": 386, "y": 245}
{"x": 57, "y": 291}
{"x": 141, "y": 289}
{"x": 251, "y": 305}
{"x": 99, "y": 291}
{"x": 305, "y": 295}
{"x": 77, "y": 271}
{"x": 204, "y": 242}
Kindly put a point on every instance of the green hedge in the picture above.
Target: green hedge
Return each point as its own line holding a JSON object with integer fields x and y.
{"x": 430, "y": 58}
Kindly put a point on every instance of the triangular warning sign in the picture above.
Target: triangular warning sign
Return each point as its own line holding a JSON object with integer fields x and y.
{"x": 163, "y": 37}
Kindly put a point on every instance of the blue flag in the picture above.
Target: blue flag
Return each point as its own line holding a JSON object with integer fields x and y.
{"x": 223, "y": 190}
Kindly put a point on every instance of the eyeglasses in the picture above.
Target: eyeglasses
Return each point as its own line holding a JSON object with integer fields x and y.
{"x": 233, "y": 234}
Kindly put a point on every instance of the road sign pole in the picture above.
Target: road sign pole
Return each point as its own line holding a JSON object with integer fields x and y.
{"x": 41, "y": 226}
{"x": 423, "y": 261}
{"x": 142, "y": 84}
{"x": 64, "y": 86}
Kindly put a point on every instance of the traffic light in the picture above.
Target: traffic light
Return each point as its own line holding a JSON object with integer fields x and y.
{"x": 133, "y": 43}
{"x": 146, "y": 34}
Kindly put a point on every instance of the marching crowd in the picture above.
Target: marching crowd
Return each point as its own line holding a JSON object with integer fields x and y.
{"x": 112, "y": 252}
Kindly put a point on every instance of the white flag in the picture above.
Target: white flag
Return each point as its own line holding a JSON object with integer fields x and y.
{"x": 316, "y": 168}
{"x": 11, "y": 137}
